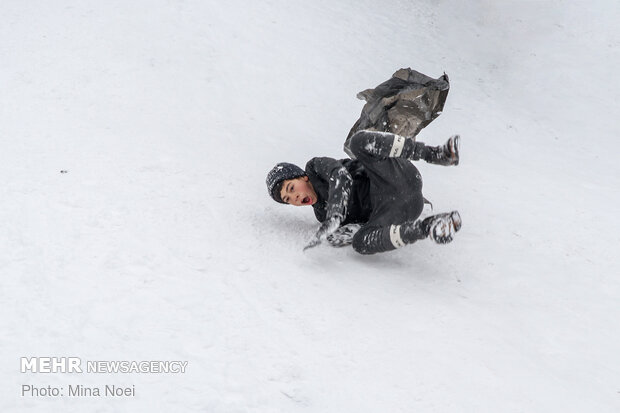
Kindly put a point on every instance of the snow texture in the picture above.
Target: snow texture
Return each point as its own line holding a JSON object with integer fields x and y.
{"x": 134, "y": 223}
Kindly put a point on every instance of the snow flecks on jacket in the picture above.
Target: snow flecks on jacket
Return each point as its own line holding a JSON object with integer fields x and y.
{"x": 342, "y": 187}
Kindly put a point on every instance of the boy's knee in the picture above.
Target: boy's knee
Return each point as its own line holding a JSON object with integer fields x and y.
{"x": 360, "y": 243}
{"x": 361, "y": 249}
{"x": 360, "y": 141}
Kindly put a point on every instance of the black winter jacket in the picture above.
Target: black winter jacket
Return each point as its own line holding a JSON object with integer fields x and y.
{"x": 342, "y": 188}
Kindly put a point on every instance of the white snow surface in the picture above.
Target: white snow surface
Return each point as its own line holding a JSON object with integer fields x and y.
{"x": 159, "y": 242}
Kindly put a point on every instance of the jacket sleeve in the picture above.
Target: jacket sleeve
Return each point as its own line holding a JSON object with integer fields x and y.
{"x": 340, "y": 183}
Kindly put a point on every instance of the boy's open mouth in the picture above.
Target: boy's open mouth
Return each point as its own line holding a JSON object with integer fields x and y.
{"x": 306, "y": 200}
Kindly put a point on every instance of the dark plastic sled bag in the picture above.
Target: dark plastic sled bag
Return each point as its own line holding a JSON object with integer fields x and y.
{"x": 403, "y": 105}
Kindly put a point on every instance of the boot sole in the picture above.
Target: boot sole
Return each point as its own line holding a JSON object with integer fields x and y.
{"x": 455, "y": 147}
{"x": 456, "y": 220}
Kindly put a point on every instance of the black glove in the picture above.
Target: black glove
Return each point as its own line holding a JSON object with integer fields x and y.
{"x": 343, "y": 236}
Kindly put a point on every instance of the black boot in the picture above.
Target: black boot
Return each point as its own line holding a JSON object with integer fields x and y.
{"x": 440, "y": 228}
{"x": 446, "y": 155}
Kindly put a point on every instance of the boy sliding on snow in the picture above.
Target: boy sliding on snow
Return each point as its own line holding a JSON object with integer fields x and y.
{"x": 373, "y": 201}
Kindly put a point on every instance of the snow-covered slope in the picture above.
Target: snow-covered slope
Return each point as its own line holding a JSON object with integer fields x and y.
{"x": 159, "y": 242}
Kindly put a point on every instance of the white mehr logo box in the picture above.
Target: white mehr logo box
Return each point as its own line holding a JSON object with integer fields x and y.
{"x": 51, "y": 365}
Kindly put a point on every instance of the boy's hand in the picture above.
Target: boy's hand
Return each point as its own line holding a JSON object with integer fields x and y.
{"x": 326, "y": 228}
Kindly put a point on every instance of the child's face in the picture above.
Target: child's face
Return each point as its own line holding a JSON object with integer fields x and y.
{"x": 298, "y": 192}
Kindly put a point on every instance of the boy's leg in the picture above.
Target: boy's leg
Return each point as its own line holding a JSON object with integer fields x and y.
{"x": 372, "y": 239}
{"x": 440, "y": 228}
{"x": 384, "y": 145}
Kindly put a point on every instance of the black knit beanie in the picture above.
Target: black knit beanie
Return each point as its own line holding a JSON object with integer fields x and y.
{"x": 281, "y": 172}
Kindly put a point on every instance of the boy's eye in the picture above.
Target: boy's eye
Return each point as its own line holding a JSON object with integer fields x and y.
{"x": 292, "y": 188}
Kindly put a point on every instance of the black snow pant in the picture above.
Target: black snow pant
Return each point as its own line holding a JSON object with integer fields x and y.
{"x": 395, "y": 191}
